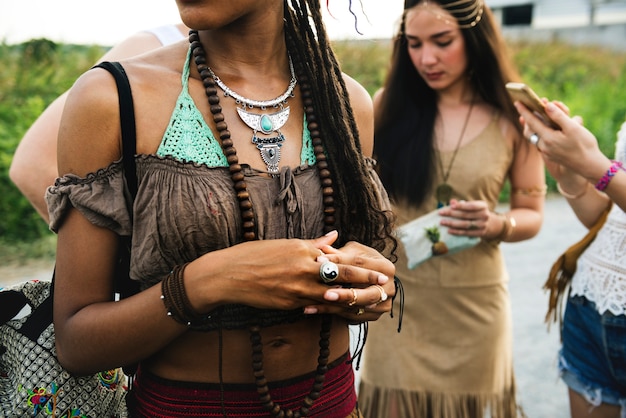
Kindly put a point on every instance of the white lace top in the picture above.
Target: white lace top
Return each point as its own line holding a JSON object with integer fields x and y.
{"x": 601, "y": 271}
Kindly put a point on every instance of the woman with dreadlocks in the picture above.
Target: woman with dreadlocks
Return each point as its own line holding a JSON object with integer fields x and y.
{"x": 258, "y": 225}
{"x": 447, "y": 136}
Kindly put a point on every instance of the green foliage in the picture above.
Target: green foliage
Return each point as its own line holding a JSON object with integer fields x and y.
{"x": 590, "y": 80}
{"x": 32, "y": 75}
{"x": 367, "y": 61}
{"x": 17, "y": 253}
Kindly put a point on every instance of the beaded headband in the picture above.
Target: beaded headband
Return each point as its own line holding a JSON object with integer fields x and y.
{"x": 466, "y": 12}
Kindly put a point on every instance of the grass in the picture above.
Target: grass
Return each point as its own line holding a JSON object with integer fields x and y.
{"x": 23, "y": 253}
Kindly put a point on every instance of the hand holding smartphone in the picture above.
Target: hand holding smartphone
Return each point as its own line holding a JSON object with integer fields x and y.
{"x": 521, "y": 92}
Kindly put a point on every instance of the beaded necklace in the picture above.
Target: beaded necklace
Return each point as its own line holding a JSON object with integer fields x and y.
{"x": 249, "y": 224}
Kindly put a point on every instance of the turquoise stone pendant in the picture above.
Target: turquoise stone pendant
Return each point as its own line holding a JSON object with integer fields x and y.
{"x": 266, "y": 123}
{"x": 269, "y": 147}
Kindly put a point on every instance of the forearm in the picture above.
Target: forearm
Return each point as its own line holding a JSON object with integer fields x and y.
{"x": 582, "y": 195}
{"x": 106, "y": 335}
{"x": 34, "y": 164}
{"x": 33, "y": 185}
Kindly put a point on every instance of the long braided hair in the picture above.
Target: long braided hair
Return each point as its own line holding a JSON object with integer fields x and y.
{"x": 357, "y": 203}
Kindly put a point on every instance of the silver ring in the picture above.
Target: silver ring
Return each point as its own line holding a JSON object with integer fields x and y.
{"x": 329, "y": 272}
{"x": 534, "y": 139}
{"x": 472, "y": 226}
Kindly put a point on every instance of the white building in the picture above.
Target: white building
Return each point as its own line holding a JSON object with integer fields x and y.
{"x": 594, "y": 22}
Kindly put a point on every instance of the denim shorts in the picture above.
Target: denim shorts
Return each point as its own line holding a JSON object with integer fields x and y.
{"x": 592, "y": 361}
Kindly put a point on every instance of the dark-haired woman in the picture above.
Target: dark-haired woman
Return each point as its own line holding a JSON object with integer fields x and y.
{"x": 447, "y": 135}
{"x": 258, "y": 229}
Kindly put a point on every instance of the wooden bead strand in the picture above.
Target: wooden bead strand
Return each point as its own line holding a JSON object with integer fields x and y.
{"x": 249, "y": 224}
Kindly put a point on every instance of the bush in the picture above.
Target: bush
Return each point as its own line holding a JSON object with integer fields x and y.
{"x": 32, "y": 75}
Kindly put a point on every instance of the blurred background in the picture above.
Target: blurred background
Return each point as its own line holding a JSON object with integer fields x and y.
{"x": 570, "y": 50}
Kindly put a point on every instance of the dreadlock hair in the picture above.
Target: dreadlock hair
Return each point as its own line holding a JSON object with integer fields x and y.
{"x": 356, "y": 200}
{"x": 405, "y": 118}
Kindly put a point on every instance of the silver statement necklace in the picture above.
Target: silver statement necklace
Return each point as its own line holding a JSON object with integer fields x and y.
{"x": 265, "y": 123}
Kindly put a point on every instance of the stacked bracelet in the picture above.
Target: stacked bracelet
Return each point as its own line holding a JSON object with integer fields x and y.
{"x": 175, "y": 298}
{"x": 606, "y": 178}
{"x": 508, "y": 226}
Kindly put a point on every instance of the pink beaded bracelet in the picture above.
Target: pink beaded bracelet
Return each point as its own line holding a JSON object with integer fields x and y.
{"x": 606, "y": 178}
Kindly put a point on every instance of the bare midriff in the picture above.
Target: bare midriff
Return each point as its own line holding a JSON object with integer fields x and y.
{"x": 289, "y": 350}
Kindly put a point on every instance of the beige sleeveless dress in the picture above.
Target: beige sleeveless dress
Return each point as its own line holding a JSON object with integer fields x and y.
{"x": 453, "y": 356}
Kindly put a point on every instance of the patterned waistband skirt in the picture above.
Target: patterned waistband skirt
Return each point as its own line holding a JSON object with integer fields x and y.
{"x": 156, "y": 397}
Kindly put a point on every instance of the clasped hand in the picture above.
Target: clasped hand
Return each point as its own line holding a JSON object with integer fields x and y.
{"x": 470, "y": 218}
{"x": 285, "y": 274}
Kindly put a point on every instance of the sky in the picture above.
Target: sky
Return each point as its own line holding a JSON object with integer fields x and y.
{"x": 108, "y": 22}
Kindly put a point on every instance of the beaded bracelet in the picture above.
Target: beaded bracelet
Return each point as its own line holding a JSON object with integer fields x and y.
{"x": 175, "y": 298}
{"x": 606, "y": 178}
{"x": 572, "y": 196}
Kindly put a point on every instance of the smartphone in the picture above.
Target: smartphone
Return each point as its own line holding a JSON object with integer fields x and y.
{"x": 521, "y": 92}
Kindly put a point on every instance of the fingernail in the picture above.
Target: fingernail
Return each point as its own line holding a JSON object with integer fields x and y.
{"x": 322, "y": 258}
{"x": 333, "y": 232}
{"x": 382, "y": 279}
{"x": 330, "y": 295}
{"x": 310, "y": 310}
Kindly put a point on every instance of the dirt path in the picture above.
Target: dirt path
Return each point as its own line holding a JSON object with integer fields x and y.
{"x": 15, "y": 273}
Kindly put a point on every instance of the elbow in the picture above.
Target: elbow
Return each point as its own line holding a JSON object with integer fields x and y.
{"x": 70, "y": 360}
{"x": 16, "y": 173}
{"x": 535, "y": 227}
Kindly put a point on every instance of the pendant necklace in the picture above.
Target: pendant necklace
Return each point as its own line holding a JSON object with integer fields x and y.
{"x": 268, "y": 146}
{"x": 443, "y": 192}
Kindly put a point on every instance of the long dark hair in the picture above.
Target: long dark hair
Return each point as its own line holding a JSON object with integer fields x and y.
{"x": 356, "y": 199}
{"x": 405, "y": 117}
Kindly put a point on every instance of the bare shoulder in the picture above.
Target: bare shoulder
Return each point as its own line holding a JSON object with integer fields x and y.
{"x": 359, "y": 96}
{"x": 378, "y": 96}
{"x": 363, "y": 111}
{"x": 509, "y": 130}
{"x": 136, "y": 44}
{"x": 89, "y": 134}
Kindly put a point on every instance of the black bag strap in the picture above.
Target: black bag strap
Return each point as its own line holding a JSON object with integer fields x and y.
{"x": 123, "y": 285}
{"x": 41, "y": 317}
{"x": 127, "y": 120}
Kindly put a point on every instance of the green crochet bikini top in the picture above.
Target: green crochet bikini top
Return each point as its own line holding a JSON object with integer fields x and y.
{"x": 182, "y": 139}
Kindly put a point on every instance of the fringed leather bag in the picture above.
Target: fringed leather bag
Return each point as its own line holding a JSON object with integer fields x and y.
{"x": 564, "y": 268}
